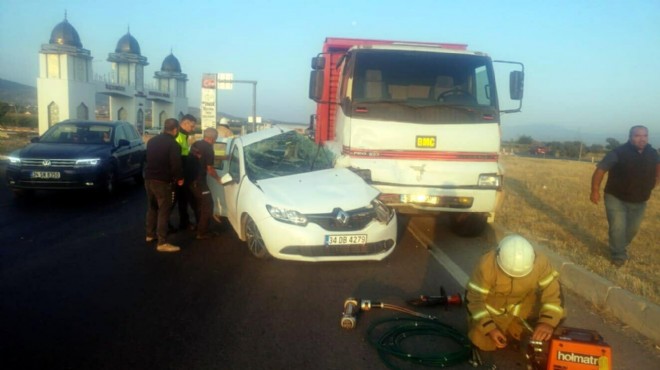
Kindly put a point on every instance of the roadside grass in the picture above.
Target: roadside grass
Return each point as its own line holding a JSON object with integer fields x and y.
{"x": 547, "y": 200}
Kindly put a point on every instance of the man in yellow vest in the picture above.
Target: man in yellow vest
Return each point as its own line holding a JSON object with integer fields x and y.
{"x": 510, "y": 285}
{"x": 183, "y": 195}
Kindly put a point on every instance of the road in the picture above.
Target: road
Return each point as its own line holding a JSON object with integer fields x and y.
{"x": 82, "y": 290}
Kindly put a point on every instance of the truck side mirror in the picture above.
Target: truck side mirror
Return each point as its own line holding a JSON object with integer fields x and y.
{"x": 318, "y": 63}
{"x": 316, "y": 85}
{"x": 516, "y": 84}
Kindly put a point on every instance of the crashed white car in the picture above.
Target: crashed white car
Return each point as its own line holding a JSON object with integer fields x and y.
{"x": 282, "y": 196}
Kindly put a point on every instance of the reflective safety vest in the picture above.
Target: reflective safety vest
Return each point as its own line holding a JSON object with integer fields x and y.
{"x": 182, "y": 140}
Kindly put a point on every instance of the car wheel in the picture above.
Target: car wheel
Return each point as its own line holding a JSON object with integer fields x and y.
{"x": 139, "y": 177}
{"x": 468, "y": 224}
{"x": 254, "y": 240}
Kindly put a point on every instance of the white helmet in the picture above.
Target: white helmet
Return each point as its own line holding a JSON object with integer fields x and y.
{"x": 515, "y": 256}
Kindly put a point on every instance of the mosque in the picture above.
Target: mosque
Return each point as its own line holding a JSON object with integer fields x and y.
{"x": 67, "y": 88}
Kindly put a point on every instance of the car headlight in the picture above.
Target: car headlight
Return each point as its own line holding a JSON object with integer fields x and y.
{"x": 287, "y": 215}
{"x": 14, "y": 161}
{"x": 490, "y": 180}
{"x": 87, "y": 162}
{"x": 383, "y": 213}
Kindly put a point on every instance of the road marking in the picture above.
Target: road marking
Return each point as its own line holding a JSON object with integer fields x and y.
{"x": 443, "y": 259}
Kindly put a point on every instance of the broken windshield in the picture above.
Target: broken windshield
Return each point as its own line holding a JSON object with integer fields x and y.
{"x": 286, "y": 154}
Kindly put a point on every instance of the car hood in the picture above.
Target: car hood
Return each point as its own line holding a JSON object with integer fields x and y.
{"x": 318, "y": 191}
{"x": 64, "y": 151}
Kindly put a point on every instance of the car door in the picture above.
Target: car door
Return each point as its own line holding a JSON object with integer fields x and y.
{"x": 136, "y": 150}
{"x": 121, "y": 153}
{"x": 221, "y": 151}
{"x": 232, "y": 188}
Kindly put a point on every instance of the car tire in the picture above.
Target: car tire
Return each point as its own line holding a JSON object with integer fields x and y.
{"x": 255, "y": 242}
{"x": 468, "y": 224}
{"x": 139, "y": 177}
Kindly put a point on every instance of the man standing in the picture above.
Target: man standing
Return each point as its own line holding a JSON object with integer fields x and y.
{"x": 634, "y": 170}
{"x": 183, "y": 196}
{"x": 505, "y": 287}
{"x": 162, "y": 170}
{"x": 201, "y": 158}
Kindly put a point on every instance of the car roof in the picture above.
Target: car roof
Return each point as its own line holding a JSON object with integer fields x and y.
{"x": 89, "y": 122}
{"x": 257, "y": 136}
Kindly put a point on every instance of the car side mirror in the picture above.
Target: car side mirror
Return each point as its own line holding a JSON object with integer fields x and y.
{"x": 35, "y": 139}
{"x": 226, "y": 179}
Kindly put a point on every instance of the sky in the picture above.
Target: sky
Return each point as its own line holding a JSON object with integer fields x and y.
{"x": 590, "y": 66}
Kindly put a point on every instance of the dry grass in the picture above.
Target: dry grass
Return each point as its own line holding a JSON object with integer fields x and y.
{"x": 548, "y": 201}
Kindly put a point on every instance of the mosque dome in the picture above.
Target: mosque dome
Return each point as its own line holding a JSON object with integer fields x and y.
{"x": 128, "y": 44}
{"x": 65, "y": 34}
{"x": 171, "y": 64}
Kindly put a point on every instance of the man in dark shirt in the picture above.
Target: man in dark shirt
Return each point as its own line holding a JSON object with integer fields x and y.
{"x": 634, "y": 170}
{"x": 162, "y": 171}
{"x": 201, "y": 159}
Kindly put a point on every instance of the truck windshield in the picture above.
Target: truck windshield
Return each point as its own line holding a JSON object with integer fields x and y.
{"x": 397, "y": 83}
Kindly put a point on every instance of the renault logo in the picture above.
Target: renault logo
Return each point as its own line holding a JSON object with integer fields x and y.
{"x": 46, "y": 162}
{"x": 342, "y": 217}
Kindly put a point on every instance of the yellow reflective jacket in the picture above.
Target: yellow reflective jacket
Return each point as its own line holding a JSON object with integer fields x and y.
{"x": 182, "y": 139}
{"x": 494, "y": 299}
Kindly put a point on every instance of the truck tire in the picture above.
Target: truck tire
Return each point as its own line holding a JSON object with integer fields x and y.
{"x": 468, "y": 224}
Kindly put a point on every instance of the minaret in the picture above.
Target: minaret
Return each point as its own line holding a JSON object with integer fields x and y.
{"x": 65, "y": 89}
{"x": 171, "y": 100}
{"x": 128, "y": 72}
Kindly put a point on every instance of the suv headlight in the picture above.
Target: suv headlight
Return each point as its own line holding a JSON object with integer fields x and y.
{"x": 87, "y": 162}
{"x": 14, "y": 161}
{"x": 383, "y": 213}
{"x": 287, "y": 215}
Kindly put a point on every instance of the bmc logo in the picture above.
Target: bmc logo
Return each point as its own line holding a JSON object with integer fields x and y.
{"x": 577, "y": 358}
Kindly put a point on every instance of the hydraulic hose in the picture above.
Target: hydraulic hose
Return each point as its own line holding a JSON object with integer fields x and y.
{"x": 389, "y": 335}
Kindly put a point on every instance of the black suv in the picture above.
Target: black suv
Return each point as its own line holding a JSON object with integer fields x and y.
{"x": 77, "y": 154}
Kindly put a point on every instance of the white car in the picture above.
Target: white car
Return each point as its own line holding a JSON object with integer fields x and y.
{"x": 282, "y": 196}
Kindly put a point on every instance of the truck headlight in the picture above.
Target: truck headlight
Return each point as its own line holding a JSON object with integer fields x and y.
{"x": 287, "y": 215}
{"x": 490, "y": 180}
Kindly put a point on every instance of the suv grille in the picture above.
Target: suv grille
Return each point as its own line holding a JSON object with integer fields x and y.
{"x": 45, "y": 163}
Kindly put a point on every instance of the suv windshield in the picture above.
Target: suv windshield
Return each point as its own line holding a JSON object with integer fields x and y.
{"x": 78, "y": 133}
{"x": 286, "y": 154}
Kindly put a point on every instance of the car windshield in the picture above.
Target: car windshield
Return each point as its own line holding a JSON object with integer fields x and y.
{"x": 286, "y": 154}
{"x": 78, "y": 133}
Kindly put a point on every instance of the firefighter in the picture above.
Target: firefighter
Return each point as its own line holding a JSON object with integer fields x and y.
{"x": 510, "y": 285}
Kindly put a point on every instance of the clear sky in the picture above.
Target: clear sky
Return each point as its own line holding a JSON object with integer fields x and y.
{"x": 589, "y": 65}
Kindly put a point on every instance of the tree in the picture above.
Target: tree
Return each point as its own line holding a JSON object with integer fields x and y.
{"x": 4, "y": 108}
{"x": 524, "y": 139}
{"x": 611, "y": 143}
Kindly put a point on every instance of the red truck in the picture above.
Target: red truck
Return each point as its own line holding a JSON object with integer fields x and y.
{"x": 418, "y": 121}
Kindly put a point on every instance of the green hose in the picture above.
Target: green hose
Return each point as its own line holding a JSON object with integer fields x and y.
{"x": 389, "y": 344}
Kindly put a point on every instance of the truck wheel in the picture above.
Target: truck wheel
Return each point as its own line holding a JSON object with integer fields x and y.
{"x": 254, "y": 240}
{"x": 468, "y": 224}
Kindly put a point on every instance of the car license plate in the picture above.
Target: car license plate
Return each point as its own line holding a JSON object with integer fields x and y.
{"x": 345, "y": 239}
{"x": 45, "y": 175}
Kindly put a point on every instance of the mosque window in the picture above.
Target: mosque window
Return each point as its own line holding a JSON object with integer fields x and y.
{"x": 80, "y": 69}
{"x": 161, "y": 118}
{"x": 53, "y": 62}
{"x": 164, "y": 85}
{"x": 122, "y": 114}
{"x": 123, "y": 74}
{"x": 82, "y": 111}
{"x": 53, "y": 114}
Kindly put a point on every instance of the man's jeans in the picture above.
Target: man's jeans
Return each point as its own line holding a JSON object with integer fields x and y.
{"x": 159, "y": 205}
{"x": 624, "y": 219}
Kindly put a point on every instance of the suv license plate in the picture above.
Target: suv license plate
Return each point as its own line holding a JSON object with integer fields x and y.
{"x": 360, "y": 239}
{"x": 45, "y": 175}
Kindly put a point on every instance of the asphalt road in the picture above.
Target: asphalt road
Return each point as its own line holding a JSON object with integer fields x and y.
{"x": 80, "y": 289}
